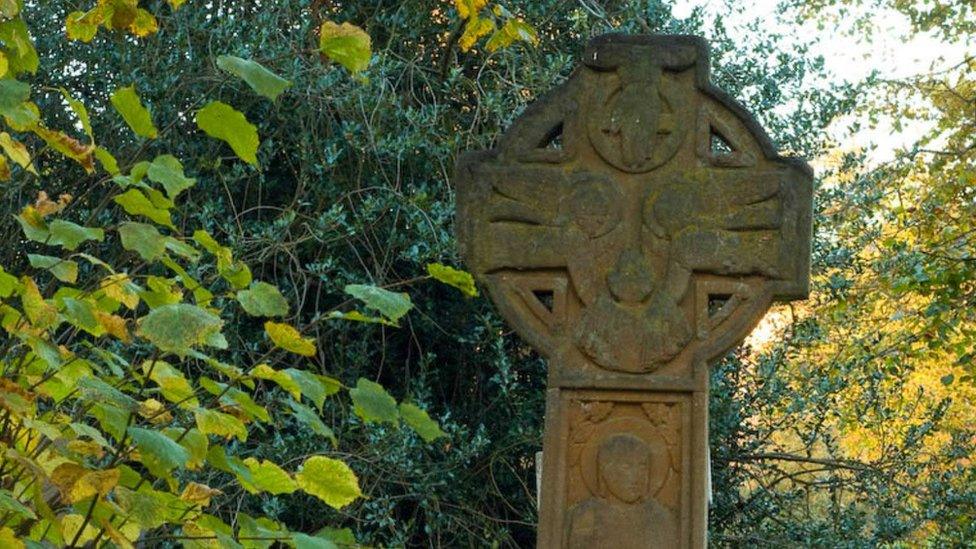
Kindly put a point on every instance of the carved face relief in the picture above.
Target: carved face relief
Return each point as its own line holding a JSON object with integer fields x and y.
{"x": 634, "y": 213}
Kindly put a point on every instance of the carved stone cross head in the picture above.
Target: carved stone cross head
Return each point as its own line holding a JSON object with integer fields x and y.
{"x": 633, "y": 225}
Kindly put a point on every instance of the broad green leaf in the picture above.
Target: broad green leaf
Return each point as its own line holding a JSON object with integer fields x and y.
{"x": 143, "y": 239}
{"x": 20, "y": 52}
{"x": 314, "y": 386}
{"x": 419, "y": 421}
{"x": 288, "y": 338}
{"x": 282, "y": 379}
{"x": 162, "y": 291}
{"x": 17, "y": 152}
{"x": 79, "y": 313}
{"x": 95, "y": 390}
{"x": 159, "y": 453}
{"x": 10, "y": 8}
{"x": 127, "y": 103}
{"x": 64, "y": 270}
{"x": 461, "y": 280}
{"x": 231, "y": 397}
{"x": 211, "y": 422}
{"x": 346, "y": 44}
{"x": 268, "y": 477}
{"x": 70, "y": 235}
{"x": 260, "y": 79}
{"x": 136, "y": 203}
{"x": 167, "y": 170}
{"x": 182, "y": 249}
{"x": 9, "y": 504}
{"x": 218, "y": 457}
{"x": 372, "y": 402}
{"x": 195, "y": 442}
{"x": 392, "y": 305}
{"x": 13, "y": 93}
{"x": 305, "y": 541}
{"x": 179, "y": 327}
{"x": 8, "y": 283}
{"x": 330, "y": 480}
{"x": 263, "y": 299}
{"x": 312, "y": 420}
{"x": 221, "y": 121}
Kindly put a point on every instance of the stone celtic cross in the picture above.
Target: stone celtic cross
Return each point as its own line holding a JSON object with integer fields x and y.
{"x": 633, "y": 225}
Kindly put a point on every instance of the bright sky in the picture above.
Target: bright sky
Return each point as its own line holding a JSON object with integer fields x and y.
{"x": 848, "y": 57}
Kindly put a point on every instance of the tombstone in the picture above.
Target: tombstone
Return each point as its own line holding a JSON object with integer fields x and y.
{"x": 633, "y": 225}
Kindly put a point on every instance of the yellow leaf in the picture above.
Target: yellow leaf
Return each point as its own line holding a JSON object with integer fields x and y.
{"x": 118, "y": 287}
{"x": 17, "y": 152}
{"x": 83, "y": 25}
{"x": 144, "y": 24}
{"x": 285, "y": 381}
{"x": 475, "y": 28}
{"x": 41, "y": 313}
{"x": 71, "y": 524}
{"x": 199, "y": 494}
{"x": 9, "y": 539}
{"x": 469, "y": 8}
{"x": 68, "y": 146}
{"x": 288, "y": 338}
{"x": 154, "y": 411}
{"x": 86, "y": 448}
{"x": 175, "y": 4}
{"x": 114, "y": 325}
{"x": 77, "y": 483}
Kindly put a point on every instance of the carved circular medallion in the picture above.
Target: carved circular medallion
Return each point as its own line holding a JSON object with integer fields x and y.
{"x": 636, "y": 127}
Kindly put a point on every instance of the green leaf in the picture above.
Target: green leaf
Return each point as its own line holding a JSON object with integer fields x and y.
{"x": 8, "y": 283}
{"x": 263, "y": 299}
{"x": 330, "y": 480}
{"x": 127, "y": 103}
{"x": 136, "y": 203}
{"x": 108, "y": 162}
{"x": 64, "y": 270}
{"x": 260, "y": 79}
{"x": 221, "y": 121}
{"x": 20, "y": 52}
{"x": 357, "y": 316}
{"x": 288, "y": 338}
{"x": 211, "y": 422}
{"x": 159, "y": 453}
{"x": 419, "y": 421}
{"x": 70, "y": 235}
{"x": 268, "y": 477}
{"x": 346, "y": 44}
{"x": 12, "y": 94}
{"x": 176, "y": 328}
{"x": 314, "y": 386}
{"x": 461, "y": 280}
{"x": 168, "y": 172}
{"x": 80, "y": 111}
{"x": 9, "y": 504}
{"x": 305, "y": 541}
{"x": 308, "y": 416}
{"x": 143, "y": 239}
{"x": 392, "y": 305}
{"x": 372, "y": 402}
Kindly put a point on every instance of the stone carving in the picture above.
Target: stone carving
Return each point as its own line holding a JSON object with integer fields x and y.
{"x": 633, "y": 225}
